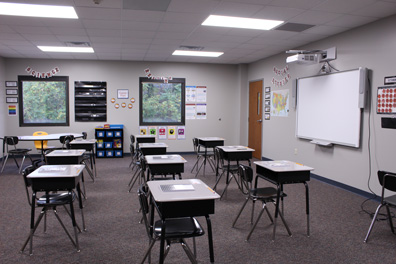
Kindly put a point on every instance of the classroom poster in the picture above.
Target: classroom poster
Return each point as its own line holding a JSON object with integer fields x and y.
{"x": 172, "y": 132}
{"x": 280, "y": 103}
{"x": 181, "y": 132}
{"x": 12, "y": 110}
{"x": 190, "y": 94}
{"x": 201, "y": 111}
{"x": 201, "y": 94}
{"x": 190, "y": 111}
{"x": 153, "y": 131}
{"x": 143, "y": 130}
{"x": 162, "y": 132}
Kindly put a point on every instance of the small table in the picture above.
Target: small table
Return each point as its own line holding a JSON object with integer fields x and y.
{"x": 165, "y": 165}
{"x": 49, "y": 178}
{"x": 153, "y": 148}
{"x": 48, "y": 138}
{"x": 88, "y": 145}
{"x": 234, "y": 153}
{"x": 208, "y": 142}
{"x": 285, "y": 172}
{"x": 182, "y": 198}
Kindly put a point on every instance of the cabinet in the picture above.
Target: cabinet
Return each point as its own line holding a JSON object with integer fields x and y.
{"x": 109, "y": 142}
{"x": 90, "y": 101}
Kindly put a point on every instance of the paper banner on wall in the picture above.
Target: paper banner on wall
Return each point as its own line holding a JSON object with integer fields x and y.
{"x": 201, "y": 111}
{"x": 12, "y": 110}
{"x": 162, "y": 132}
{"x": 280, "y": 103}
{"x": 181, "y": 132}
{"x": 201, "y": 94}
{"x": 143, "y": 130}
{"x": 191, "y": 94}
{"x": 172, "y": 133}
{"x": 190, "y": 111}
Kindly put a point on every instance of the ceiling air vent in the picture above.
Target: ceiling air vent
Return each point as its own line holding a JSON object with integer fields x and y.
{"x": 294, "y": 27}
{"x": 192, "y": 48}
{"x": 77, "y": 44}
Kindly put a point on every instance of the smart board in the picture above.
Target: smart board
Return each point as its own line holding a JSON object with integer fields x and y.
{"x": 329, "y": 107}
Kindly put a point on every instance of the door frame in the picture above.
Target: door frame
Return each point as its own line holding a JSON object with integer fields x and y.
{"x": 262, "y": 111}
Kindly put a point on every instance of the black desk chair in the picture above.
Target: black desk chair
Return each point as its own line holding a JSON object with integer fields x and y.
{"x": 138, "y": 170}
{"x": 264, "y": 194}
{"x": 50, "y": 201}
{"x": 222, "y": 168}
{"x": 388, "y": 182}
{"x": 177, "y": 229}
{"x": 11, "y": 149}
{"x": 199, "y": 153}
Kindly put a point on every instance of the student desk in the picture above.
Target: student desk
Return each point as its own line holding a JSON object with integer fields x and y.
{"x": 67, "y": 157}
{"x": 182, "y": 198}
{"x": 144, "y": 139}
{"x": 234, "y": 153}
{"x": 153, "y": 148}
{"x": 165, "y": 165}
{"x": 88, "y": 145}
{"x": 50, "y": 178}
{"x": 209, "y": 142}
{"x": 285, "y": 172}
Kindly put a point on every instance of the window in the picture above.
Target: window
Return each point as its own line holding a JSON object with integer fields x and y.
{"x": 43, "y": 102}
{"x": 162, "y": 103}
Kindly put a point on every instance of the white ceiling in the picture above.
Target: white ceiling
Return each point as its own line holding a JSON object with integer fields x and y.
{"x": 117, "y": 33}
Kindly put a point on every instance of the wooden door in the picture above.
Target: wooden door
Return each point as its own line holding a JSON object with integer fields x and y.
{"x": 255, "y": 117}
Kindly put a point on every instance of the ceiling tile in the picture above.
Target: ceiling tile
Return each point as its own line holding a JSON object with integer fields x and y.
{"x": 350, "y": 21}
{"x": 101, "y": 24}
{"x": 95, "y": 13}
{"x": 278, "y": 13}
{"x": 326, "y": 30}
{"x": 237, "y": 9}
{"x": 379, "y": 9}
{"x": 304, "y": 4}
{"x": 315, "y": 17}
{"x": 342, "y": 6}
{"x": 193, "y": 6}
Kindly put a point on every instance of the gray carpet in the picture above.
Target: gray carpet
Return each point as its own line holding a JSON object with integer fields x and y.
{"x": 114, "y": 234}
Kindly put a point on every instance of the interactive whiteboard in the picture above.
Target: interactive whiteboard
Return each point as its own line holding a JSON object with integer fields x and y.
{"x": 329, "y": 107}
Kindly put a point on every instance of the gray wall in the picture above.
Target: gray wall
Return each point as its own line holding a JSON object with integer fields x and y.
{"x": 3, "y": 106}
{"x": 372, "y": 46}
{"x": 223, "y": 89}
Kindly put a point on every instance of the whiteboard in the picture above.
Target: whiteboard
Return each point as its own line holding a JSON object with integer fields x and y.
{"x": 329, "y": 107}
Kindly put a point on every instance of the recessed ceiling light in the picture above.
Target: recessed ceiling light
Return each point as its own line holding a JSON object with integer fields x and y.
{"x": 13, "y": 9}
{"x": 241, "y": 22}
{"x": 197, "y": 53}
{"x": 66, "y": 49}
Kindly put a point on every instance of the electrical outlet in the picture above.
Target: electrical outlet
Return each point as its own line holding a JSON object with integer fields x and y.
{"x": 295, "y": 151}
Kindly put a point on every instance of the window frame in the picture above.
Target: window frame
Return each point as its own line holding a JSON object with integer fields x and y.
{"x": 22, "y": 78}
{"x": 183, "y": 102}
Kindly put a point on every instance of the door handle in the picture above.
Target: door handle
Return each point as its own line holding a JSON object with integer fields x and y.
{"x": 259, "y": 120}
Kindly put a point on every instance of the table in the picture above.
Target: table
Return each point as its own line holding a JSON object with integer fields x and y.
{"x": 48, "y": 138}
{"x": 164, "y": 165}
{"x": 153, "y": 148}
{"x": 182, "y": 198}
{"x": 234, "y": 153}
{"x": 208, "y": 142}
{"x": 88, "y": 145}
{"x": 50, "y": 178}
{"x": 285, "y": 172}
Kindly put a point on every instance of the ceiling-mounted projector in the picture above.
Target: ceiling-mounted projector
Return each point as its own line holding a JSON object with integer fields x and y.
{"x": 311, "y": 56}
{"x": 303, "y": 59}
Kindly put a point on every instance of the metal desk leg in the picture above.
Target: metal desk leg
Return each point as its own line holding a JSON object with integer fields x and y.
{"x": 276, "y": 211}
{"x": 307, "y": 207}
{"x": 162, "y": 246}
{"x": 210, "y": 238}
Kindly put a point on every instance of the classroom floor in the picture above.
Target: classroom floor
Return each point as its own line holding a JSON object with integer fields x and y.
{"x": 114, "y": 234}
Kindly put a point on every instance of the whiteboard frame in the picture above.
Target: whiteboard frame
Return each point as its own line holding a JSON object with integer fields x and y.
{"x": 335, "y": 110}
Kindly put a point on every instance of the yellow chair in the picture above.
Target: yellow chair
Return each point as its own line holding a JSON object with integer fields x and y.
{"x": 38, "y": 143}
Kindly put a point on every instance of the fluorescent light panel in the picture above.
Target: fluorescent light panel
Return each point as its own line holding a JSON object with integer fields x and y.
{"x": 66, "y": 49}
{"x": 197, "y": 53}
{"x": 241, "y": 22}
{"x": 12, "y": 9}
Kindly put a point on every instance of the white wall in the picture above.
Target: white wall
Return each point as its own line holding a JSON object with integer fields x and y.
{"x": 223, "y": 89}
{"x": 372, "y": 46}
